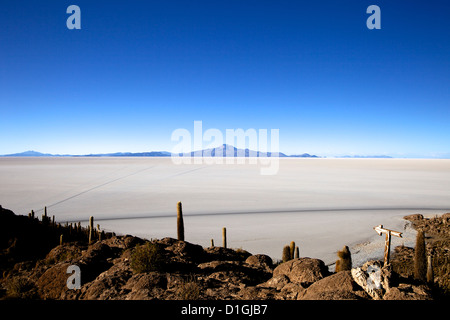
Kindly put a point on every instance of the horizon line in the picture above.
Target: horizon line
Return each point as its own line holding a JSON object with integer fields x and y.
{"x": 164, "y": 153}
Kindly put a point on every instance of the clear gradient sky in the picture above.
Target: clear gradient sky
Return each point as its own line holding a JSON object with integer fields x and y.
{"x": 138, "y": 70}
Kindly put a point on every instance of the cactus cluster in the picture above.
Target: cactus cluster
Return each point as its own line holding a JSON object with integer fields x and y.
{"x": 70, "y": 231}
{"x": 180, "y": 227}
{"x": 290, "y": 252}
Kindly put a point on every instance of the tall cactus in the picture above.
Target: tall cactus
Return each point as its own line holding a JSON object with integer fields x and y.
{"x": 297, "y": 253}
{"x": 292, "y": 250}
{"x": 180, "y": 222}
{"x": 430, "y": 274}
{"x": 91, "y": 229}
{"x": 44, "y": 216}
{"x": 286, "y": 255}
{"x": 420, "y": 259}
{"x": 99, "y": 233}
{"x": 224, "y": 237}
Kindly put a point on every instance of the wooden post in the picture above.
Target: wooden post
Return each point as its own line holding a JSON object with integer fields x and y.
{"x": 387, "y": 248}
{"x": 387, "y": 244}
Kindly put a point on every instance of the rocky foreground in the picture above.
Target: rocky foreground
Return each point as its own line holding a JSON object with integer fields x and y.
{"x": 34, "y": 265}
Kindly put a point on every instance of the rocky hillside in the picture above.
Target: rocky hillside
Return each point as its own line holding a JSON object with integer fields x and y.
{"x": 128, "y": 267}
{"x": 437, "y": 238}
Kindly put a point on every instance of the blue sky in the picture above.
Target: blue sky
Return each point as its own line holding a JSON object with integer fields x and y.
{"x": 138, "y": 70}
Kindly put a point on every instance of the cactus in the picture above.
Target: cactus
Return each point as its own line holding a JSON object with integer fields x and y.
{"x": 338, "y": 266}
{"x": 91, "y": 229}
{"x": 61, "y": 240}
{"x": 430, "y": 273}
{"x": 291, "y": 250}
{"x": 286, "y": 255}
{"x": 297, "y": 253}
{"x": 224, "y": 237}
{"x": 345, "y": 260}
{"x": 180, "y": 222}
{"x": 212, "y": 242}
{"x": 44, "y": 216}
{"x": 420, "y": 262}
{"x": 99, "y": 233}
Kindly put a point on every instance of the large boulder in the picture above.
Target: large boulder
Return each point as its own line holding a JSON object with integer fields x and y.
{"x": 53, "y": 282}
{"x": 64, "y": 253}
{"x": 247, "y": 274}
{"x": 108, "y": 284}
{"x": 261, "y": 261}
{"x": 184, "y": 250}
{"x": 220, "y": 253}
{"x": 303, "y": 271}
{"x": 408, "y": 292}
{"x": 339, "y": 286}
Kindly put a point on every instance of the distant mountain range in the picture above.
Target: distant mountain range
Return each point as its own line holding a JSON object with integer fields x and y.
{"x": 224, "y": 150}
{"x": 116, "y": 154}
{"x": 364, "y": 157}
{"x": 227, "y": 150}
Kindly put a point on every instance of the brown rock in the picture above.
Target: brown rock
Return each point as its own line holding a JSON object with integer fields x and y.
{"x": 276, "y": 282}
{"x": 185, "y": 250}
{"x": 260, "y": 260}
{"x": 64, "y": 253}
{"x": 413, "y": 217}
{"x": 408, "y": 292}
{"x": 255, "y": 293}
{"x": 146, "y": 286}
{"x": 292, "y": 291}
{"x": 108, "y": 285}
{"x": 304, "y": 271}
{"x": 339, "y": 286}
{"x": 53, "y": 282}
